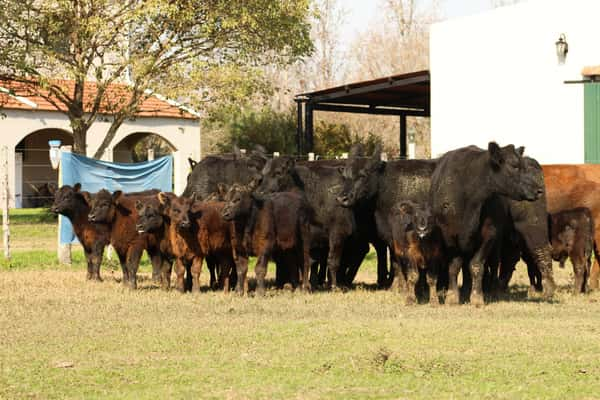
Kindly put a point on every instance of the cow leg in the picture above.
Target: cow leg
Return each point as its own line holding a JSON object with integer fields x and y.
{"x": 399, "y": 282}
{"x": 412, "y": 277}
{"x": 305, "y": 256}
{"x": 333, "y": 260}
{"x": 382, "y": 268}
{"x": 579, "y": 272}
{"x": 123, "y": 262}
{"x": 133, "y": 262}
{"x": 225, "y": 277}
{"x": 165, "y": 272}
{"x": 432, "y": 279}
{"x": 534, "y": 273}
{"x": 261, "y": 272}
{"x": 241, "y": 266}
{"x": 156, "y": 260}
{"x": 195, "y": 271}
{"x": 453, "y": 295}
{"x": 360, "y": 248}
{"x": 180, "y": 270}
{"x": 212, "y": 267}
{"x": 595, "y": 270}
{"x": 90, "y": 267}
{"x": 476, "y": 266}
{"x": 97, "y": 254}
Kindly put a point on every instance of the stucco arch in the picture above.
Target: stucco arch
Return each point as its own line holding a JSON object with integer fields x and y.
{"x": 128, "y": 149}
{"x": 33, "y": 170}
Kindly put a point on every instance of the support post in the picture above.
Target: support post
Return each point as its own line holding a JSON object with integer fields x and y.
{"x": 299, "y": 130}
{"x": 5, "y": 204}
{"x": 403, "y": 146}
{"x": 308, "y": 114}
{"x": 64, "y": 250}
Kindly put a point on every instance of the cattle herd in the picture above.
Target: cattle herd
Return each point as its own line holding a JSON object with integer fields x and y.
{"x": 471, "y": 210}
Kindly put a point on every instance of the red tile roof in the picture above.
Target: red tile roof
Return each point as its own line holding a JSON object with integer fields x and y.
{"x": 23, "y": 96}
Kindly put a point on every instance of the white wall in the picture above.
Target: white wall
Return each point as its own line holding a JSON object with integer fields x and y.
{"x": 183, "y": 134}
{"x": 495, "y": 76}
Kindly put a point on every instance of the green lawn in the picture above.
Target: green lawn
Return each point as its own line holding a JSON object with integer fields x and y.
{"x": 62, "y": 337}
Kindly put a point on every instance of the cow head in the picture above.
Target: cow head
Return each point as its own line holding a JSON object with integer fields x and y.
{"x": 103, "y": 206}
{"x": 278, "y": 175}
{"x": 177, "y": 209}
{"x": 511, "y": 175}
{"x": 359, "y": 177}
{"x": 65, "y": 199}
{"x": 150, "y": 216}
{"x": 238, "y": 202}
{"x": 415, "y": 217}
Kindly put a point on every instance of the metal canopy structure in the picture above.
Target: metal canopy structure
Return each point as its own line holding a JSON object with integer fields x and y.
{"x": 401, "y": 95}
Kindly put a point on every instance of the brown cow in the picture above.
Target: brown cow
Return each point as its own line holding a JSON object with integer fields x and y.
{"x": 571, "y": 186}
{"x": 196, "y": 231}
{"x": 119, "y": 212}
{"x": 71, "y": 202}
{"x": 275, "y": 226}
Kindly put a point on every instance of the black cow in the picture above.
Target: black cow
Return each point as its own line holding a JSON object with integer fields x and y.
{"x": 213, "y": 170}
{"x": 461, "y": 183}
{"x": 374, "y": 189}
{"x": 334, "y": 227}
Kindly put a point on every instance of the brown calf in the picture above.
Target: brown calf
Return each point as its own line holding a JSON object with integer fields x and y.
{"x": 119, "y": 212}
{"x": 71, "y": 202}
{"x": 418, "y": 243}
{"x": 571, "y": 186}
{"x": 196, "y": 231}
{"x": 572, "y": 236}
{"x": 276, "y": 226}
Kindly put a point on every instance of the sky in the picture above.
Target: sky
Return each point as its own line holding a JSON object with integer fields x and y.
{"x": 360, "y": 13}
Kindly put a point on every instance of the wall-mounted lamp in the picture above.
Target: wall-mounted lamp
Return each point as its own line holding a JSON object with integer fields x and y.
{"x": 562, "y": 48}
{"x": 54, "y": 153}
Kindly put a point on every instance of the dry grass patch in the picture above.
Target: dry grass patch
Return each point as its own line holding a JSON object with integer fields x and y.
{"x": 63, "y": 337}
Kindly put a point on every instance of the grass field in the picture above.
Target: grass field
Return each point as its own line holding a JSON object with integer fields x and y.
{"x": 63, "y": 337}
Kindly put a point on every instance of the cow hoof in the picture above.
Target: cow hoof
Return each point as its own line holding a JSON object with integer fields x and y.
{"x": 477, "y": 300}
{"x": 260, "y": 292}
{"x": 410, "y": 301}
{"x": 451, "y": 299}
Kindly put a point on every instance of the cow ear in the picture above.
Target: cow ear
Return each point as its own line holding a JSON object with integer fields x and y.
{"x": 138, "y": 205}
{"x": 164, "y": 199}
{"x": 87, "y": 197}
{"x": 521, "y": 151}
{"x": 192, "y": 162}
{"x": 496, "y": 157}
{"x": 77, "y": 187}
{"x": 116, "y": 196}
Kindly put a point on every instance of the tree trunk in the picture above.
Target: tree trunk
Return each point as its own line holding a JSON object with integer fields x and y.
{"x": 79, "y": 141}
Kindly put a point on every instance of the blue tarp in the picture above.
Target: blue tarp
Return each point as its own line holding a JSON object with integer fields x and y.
{"x": 96, "y": 174}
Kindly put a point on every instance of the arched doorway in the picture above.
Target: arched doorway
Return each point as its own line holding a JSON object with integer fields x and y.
{"x": 134, "y": 148}
{"x": 33, "y": 171}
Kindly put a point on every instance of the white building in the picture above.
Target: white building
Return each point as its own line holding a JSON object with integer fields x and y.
{"x": 30, "y": 121}
{"x": 496, "y": 76}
